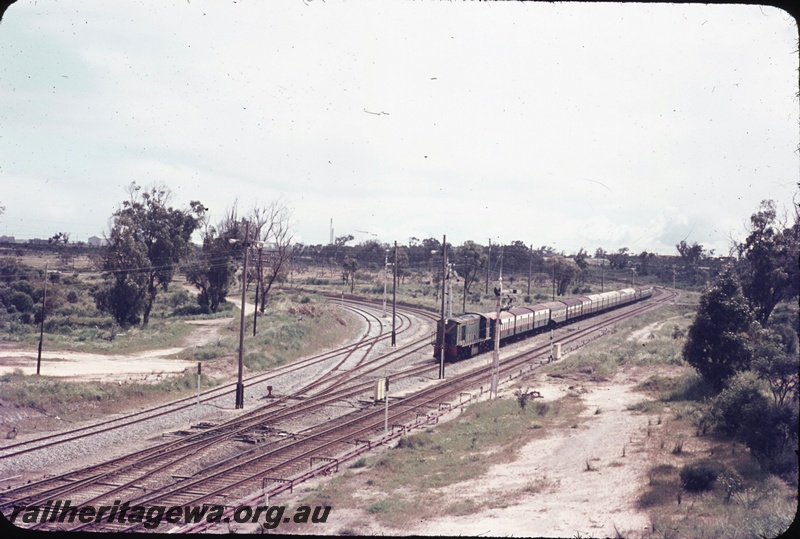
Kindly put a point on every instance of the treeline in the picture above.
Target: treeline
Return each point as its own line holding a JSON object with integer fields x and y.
{"x": 744, "y": 344}
{"x": 151, "y": 241}
{"x": 475, "y": 264}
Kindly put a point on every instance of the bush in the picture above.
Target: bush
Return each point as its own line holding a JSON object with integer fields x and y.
{"x": 179, "y": 298}
{"x": 22, "y": 301}
{"x": 739, "y": 406}
{"x": 700, "y": 476}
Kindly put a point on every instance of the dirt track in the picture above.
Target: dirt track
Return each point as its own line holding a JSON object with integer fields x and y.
{"x": 142, "y": 366}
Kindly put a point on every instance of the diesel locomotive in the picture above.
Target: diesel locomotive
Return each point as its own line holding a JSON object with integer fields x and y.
{"x": 473, "y": 333}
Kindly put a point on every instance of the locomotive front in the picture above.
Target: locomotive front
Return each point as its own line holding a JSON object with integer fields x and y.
{"x": 450, "y": 340}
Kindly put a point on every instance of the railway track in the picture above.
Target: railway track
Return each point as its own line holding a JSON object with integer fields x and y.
{"x": 149, "y": 463}
{"x": 287, "y": 455}
{"x": 207, "y": 397}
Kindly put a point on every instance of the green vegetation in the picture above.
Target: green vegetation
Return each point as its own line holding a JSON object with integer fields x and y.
{"x": 753, "y": 369}
{"x": 57, "y": 397}
{"x": 405, "y": 482}
{"x": 725, "y": 465}
{"x": 146, "y": 242}
{"x": 718, "y": 344}
{"x": 719, "y": 493}
{"x": 658, "y": 346}
{"x": 293, "y": 325}
{"x": 73, "y": 322}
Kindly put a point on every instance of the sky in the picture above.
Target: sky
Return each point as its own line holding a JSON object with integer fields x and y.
{"x": 572, "y": 125}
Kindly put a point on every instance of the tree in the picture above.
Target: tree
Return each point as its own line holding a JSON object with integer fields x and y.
{"x": 691, "y": 254}
{"x": 717, "y": 344}
{"x": 123, "y": 292}
{"x": 516, "y": 258}
{"x": 775, "y": 360}
{"x": 403, "y": 266}
{"x": 271, "y": 227}
{"x": 644, "y": 263}
{"x": 619, "y": 260}
{"x": 564, "y": 271}
{"x": 470, "y": 261}
{"x": 350, "y": 266}
{"x": 580, "y": 259}
{"x": 769, "y": 257}
{"x": 212, "y": 268}
{"x": 60, "y": 237}
{"x": 146, "y": 242}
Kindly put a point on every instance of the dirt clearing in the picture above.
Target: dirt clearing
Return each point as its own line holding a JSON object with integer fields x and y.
{"x": 582, "y": 479}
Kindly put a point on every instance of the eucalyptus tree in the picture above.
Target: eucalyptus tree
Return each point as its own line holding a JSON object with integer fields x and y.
{"x": 769, "y": 258}
{"x": 272, "y": 237}
{"x": 563, "y": 271}
{"x": 147, "y": 241}
{"x": 470, "y": 263}
{"x": 212, "y": 268}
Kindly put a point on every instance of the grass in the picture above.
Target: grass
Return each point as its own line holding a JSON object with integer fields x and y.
{"x": 406, "y": 482}
{"x": 294, "y": 326}
{"x": 80, "y": 326}
{"x": 660, "y": 347}
{"x": 54, "y": 396}
{"x": 741, "y": 501}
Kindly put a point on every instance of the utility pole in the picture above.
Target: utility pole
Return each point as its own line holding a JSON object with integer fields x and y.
{"x": 239, "y": 384}
{"x": 448, "y": 311}
{"x": 488, "y": 265}
{"x": 258, "y": 284}
{"x": 441, "y": 332}
{"x": 498, "y": 292}
{"x": 394, "y": 297}
{"x": 530, "y": 270}
{"x": 464, "y": 305}
{"x": 602, "y": 276}
{"x": 41, "y": 327}
{"x": 385, "y": 269}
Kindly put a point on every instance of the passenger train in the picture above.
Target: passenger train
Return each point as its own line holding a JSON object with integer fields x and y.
{"x": 473, "y": 333}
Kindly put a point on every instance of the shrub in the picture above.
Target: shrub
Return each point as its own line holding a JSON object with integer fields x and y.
{"x": 22, "y": 301}
{"x": 179, "y": 298}
{"x": 740, "y": 405}
{"x": 700, "y": 476}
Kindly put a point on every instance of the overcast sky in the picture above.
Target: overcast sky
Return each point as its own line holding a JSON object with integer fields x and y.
{"x": 572, "y": 125}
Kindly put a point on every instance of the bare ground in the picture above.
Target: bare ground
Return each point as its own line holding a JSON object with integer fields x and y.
{"x": 148, "y": 366}
{"x": 575, "y": 482}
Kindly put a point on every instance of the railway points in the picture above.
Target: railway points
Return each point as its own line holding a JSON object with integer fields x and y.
{"x": 283, "y": 438}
